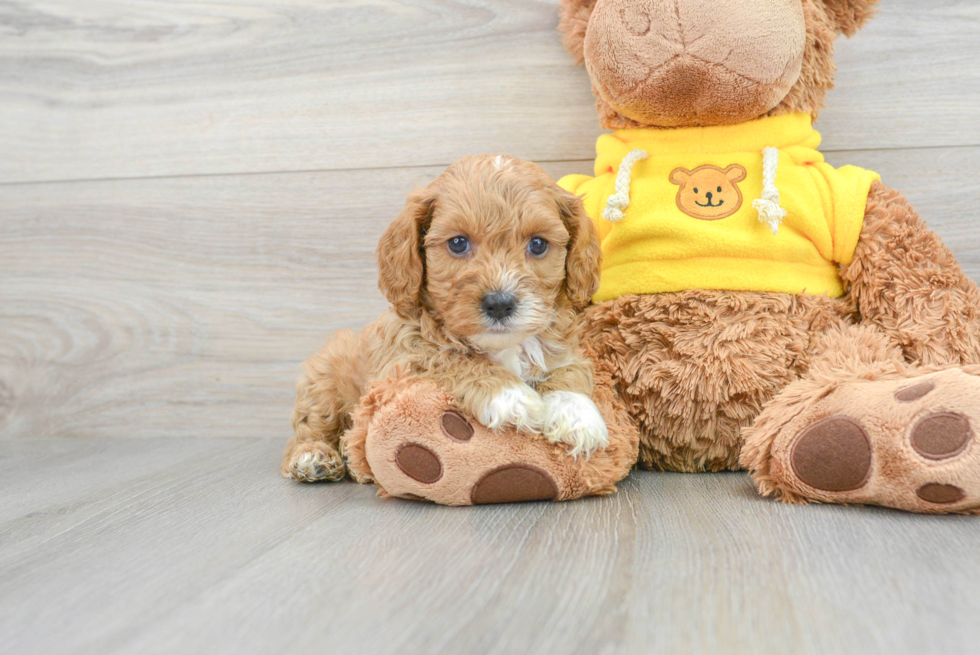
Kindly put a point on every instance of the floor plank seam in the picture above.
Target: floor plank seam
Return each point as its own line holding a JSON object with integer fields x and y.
{"x": 408, "y": 167}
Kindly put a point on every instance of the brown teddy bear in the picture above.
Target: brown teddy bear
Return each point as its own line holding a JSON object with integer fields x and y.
{"x": 759, "y": 309}
{"x": 816, "y": 332}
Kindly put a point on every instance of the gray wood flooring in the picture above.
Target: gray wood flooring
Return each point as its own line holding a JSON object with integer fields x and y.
{"x": 196, "y": 546}
{"x": 190, "y": 197}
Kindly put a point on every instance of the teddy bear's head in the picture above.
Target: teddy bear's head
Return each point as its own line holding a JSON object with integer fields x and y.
{"x": 682, "y": 63}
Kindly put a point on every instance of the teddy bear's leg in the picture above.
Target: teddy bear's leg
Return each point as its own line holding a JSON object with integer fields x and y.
{"x": 889, "y": 411}
{"x": 907, "y": 282}
{"x": 865, "y": 427}
{"x": 411, "y": 440}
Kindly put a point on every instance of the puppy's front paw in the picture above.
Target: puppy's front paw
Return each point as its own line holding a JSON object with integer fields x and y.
{"x": 573, "y": 418}
{"x": 519, "y": 406}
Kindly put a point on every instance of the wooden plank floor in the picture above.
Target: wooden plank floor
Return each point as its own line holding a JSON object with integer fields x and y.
{"x": 190, "y": 197}
{"x": 196, "y": 546}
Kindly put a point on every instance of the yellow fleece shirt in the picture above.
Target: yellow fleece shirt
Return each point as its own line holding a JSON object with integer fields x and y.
{"x": 673, "y": 236}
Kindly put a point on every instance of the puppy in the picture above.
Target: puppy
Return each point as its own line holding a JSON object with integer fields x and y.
{"x": 487, "y": 270}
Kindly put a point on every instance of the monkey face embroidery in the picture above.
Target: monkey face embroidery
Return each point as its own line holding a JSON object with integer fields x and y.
{"x": 709, "y": 192}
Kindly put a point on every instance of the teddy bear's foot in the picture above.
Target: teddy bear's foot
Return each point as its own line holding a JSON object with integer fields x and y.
{"x": 413, "y": 443}
{"x": 905, "y": 442}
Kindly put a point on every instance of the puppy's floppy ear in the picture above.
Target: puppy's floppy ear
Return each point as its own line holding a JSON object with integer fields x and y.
{"x": 850, "y": 15}
{"x": 584, "y": 256}
{"x": 401, "y": 260}
{"x": 574, "y": 20}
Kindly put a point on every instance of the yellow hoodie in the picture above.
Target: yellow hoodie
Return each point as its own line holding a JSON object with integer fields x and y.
{"x": 750, "y": 207}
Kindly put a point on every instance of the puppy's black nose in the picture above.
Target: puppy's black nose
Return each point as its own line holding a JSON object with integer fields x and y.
{"x": 709, "y": 194}
{"x": 499, "y": 306}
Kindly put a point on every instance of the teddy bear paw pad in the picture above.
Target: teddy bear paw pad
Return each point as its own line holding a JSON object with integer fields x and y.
{"x": 514, "y": 484}
{"x": 833, "y": 455}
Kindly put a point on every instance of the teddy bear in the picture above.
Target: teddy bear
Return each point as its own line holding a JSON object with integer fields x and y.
{"x": 758, "y": 309}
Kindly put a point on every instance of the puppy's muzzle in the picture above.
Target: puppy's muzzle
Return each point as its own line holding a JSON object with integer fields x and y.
{"x": 499, "y": 306}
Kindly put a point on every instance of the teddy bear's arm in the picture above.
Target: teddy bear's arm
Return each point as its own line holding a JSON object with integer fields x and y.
{"x": 905, "y": 280}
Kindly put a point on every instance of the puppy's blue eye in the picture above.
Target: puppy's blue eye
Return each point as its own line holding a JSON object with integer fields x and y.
{"x": 695, "y": 189}
{"x": 458, "y": 245}
{"x": 537, "y": 246}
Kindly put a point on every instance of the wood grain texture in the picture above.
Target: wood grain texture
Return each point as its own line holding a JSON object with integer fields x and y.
{"x": 207, "y": 550}
{"x": 136, "y": 88}
{"x": 182, "y": 307}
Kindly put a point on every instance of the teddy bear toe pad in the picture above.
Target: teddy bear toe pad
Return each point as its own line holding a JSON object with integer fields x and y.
{"x": 907, "y": 444}
{"x": 941, "y": 436}
{"x": 455, "y": 426}
{"x": 419, "y": 463}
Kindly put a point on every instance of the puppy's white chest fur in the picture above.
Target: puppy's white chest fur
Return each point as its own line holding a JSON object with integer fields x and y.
{"x": 522, "y": 358}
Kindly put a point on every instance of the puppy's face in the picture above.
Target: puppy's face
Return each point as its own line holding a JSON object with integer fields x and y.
{"x": 494, "y": 271}
{"x": 499, "y": 238}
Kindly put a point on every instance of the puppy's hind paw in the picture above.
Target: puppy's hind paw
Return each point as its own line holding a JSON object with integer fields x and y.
{"x": 313, "y": 462}
{"x": 517, "y": 406}
{"x": 572, "y": 418}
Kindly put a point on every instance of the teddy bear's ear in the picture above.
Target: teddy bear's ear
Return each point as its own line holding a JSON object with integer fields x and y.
{"x": 680, "y": 176}
{"x": 575, "y": 16}
{"x": 850, "y": 15}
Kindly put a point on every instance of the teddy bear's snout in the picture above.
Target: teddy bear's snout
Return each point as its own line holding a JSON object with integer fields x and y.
{"x": 672, "y": 62}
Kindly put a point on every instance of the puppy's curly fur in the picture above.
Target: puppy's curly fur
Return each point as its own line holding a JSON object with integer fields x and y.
{"x": 523, "y": 370}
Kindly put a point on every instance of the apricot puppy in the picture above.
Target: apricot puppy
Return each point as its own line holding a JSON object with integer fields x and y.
{"x": 487, "y": 270}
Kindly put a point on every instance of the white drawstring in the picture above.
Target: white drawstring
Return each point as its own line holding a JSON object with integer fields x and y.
{"x": 620, "y": 200}
{"x": 768, "y": 207}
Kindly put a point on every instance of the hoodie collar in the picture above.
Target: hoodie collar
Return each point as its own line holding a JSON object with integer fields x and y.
{"x": 753, "y": 136}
